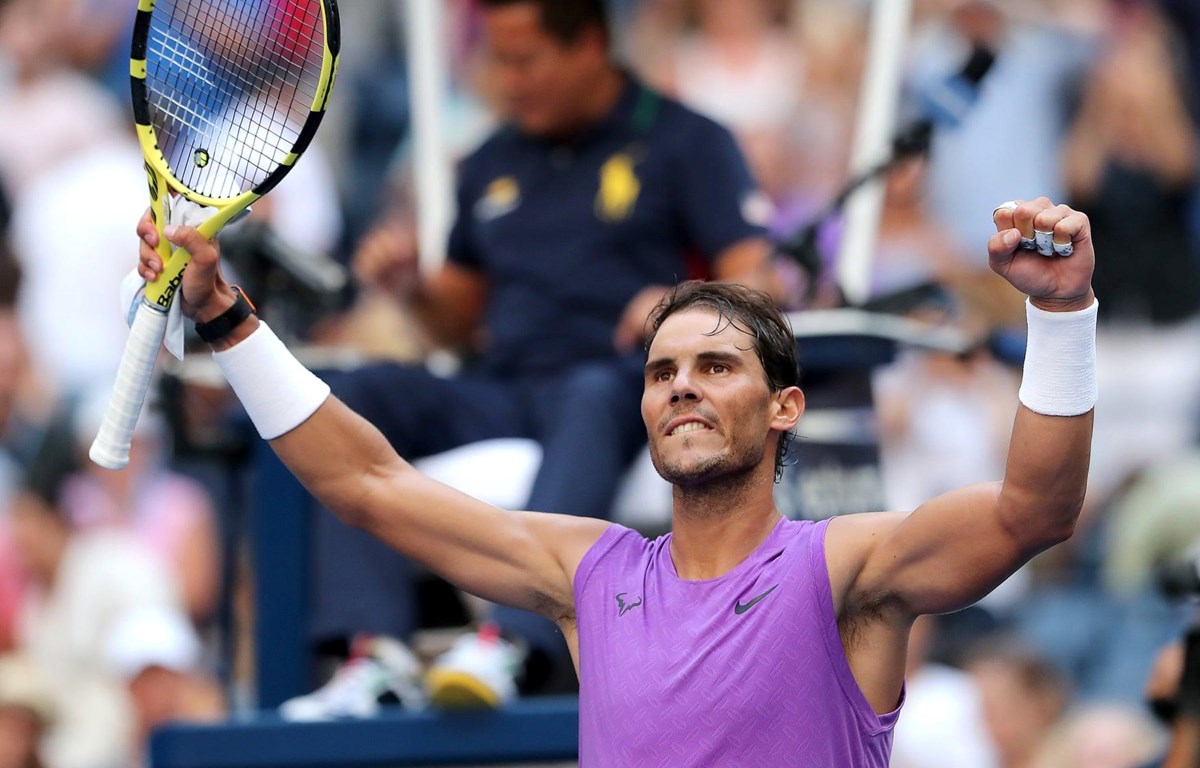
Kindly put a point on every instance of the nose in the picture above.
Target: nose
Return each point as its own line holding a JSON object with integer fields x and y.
{"x": 683, "y": 388}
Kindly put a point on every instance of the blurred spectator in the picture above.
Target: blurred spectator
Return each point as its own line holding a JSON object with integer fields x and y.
{"x": 1173, "y": 692}
{"x": 1130, "y": 164}
{"x": 1023, "y": 697}
{"x": 156, "y": 651}
{"x": 751, "y": 66}
{"x": 19, "y": 431}
{"x": 737, "y": 64}
{"x": 26, "y": 711}
{"x": 1039, "y": 62}
{"x": 1153, "y": 522}
{"x": 81, "y": 585}
{"x": 573, "y": 220}
{"x": 48, "y": 96}
{"x": 1102, "y": 736}
{"x": 1185, "y": 15}
{"x": 72, "y": 280}
{"x": 942, "y": 726}
{"x": 909, "y": 251}
{"x": 943, "y": 423}
{"x": 169, "y": 513}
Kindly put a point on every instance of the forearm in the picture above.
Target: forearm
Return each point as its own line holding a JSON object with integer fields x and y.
{"x": 347, "y": 464}
{"x": 1046, "y": 476}
{"x": 1046, "y": 473}
{"x": 342, "y": 479}
{"x": 332, "y": 476}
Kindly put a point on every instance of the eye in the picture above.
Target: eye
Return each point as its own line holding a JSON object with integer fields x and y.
{"x": 661, "y": 375}
{"x": 718, "y": 368}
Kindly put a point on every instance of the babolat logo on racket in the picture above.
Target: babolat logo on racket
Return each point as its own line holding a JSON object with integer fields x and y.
{"x": 200, "y": 157}
{"x": 164, "y": 300}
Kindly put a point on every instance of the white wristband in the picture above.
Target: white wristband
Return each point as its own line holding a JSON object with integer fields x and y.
{"x": 276, "y": 390}
{"x": 1059, "y": 378}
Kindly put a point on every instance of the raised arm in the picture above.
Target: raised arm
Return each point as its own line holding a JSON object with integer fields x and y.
{"x": 522, "y": 559}
{"x": 949, "y": 552}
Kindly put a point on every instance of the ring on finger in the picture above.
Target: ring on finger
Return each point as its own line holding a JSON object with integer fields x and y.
{"x": 1063, "y": 249}
{"x": 1028, "y": 244}
{"x": 1044, "y": 242}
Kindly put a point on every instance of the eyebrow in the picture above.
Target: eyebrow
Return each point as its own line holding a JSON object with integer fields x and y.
{"x": 728, "y": 358}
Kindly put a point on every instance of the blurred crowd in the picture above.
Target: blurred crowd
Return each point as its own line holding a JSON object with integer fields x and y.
{"x": 123, "y": 598}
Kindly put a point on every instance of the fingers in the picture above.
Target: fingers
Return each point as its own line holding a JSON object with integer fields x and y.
{"x": 1057, "y": 229}
{"x": 146, "y": 229}
{"x": 1039, "y": 227}
{"x": 150, "y": 263}
{"x": 203, "y": 251}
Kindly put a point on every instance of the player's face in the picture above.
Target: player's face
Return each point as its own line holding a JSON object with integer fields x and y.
{"x": 541, "y": 82}
{"x": 706, "y": 404}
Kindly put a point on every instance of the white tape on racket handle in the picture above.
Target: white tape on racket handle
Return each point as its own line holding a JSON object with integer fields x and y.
{"x": 111, "y": 446}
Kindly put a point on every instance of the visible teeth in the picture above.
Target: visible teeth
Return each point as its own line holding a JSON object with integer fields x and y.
{"x": 691, "y": 426}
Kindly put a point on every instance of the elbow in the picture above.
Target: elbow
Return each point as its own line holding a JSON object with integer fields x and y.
{"x": 1059, "y": 525}
{"x": 352, "y": 515}
{"x": 1062, "y": 532}
{"x": 360, "y": 502}
{"x": 1041, "y": 523}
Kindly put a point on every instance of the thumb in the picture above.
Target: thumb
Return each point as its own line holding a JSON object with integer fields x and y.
{"x": 203, "y": 251}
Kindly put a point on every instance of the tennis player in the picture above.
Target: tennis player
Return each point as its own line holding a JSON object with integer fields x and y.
{"x": 741, "y": 638}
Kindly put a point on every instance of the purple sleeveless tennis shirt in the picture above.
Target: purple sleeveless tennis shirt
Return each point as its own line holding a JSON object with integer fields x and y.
{"x": 742, "y": 670}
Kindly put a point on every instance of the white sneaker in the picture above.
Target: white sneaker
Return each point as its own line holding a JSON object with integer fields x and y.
{"x": 381, "y": 671}
{"x": 479, "y": 671}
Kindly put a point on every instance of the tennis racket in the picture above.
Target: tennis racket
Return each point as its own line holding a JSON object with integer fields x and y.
{"x": 227, "y": 94}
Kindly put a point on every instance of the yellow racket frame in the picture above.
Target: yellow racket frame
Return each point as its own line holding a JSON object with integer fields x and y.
{"x": 161, "y": 292}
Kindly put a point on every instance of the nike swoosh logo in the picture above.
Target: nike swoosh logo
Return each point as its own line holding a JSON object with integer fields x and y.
{"x": 739, "y": 607}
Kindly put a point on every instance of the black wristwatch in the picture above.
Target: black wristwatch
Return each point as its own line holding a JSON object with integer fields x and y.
{"x": 223, "y": 324}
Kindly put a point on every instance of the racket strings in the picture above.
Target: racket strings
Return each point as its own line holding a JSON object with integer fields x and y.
{"x": 230, "y": 85}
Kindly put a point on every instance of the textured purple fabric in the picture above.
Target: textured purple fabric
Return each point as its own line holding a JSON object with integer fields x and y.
{"x": 742, "y": 670}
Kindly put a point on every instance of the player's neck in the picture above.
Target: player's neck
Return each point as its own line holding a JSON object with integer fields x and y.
{"x": 711, "y": 536}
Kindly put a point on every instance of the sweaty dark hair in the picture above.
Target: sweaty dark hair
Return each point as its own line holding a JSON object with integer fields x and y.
{"x": 751, "y": 311}
{"x": 564, "y": 20}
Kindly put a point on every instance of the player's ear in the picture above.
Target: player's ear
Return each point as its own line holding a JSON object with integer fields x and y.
{"x": 788, "y": 405}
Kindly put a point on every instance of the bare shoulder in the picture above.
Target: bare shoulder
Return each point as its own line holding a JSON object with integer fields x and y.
{"x": 850, "y": 541}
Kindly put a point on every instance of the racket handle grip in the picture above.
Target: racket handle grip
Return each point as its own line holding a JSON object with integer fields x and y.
{"x": 110, "y": 449}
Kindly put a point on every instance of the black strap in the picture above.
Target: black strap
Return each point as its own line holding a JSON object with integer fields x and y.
{"x": 223, "y": 324}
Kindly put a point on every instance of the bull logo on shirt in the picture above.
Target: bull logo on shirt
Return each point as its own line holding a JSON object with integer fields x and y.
{"x": 624, "y": 607}
{"x": 619, "y": 188}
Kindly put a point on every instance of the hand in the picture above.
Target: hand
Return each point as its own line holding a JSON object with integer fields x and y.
{"x": 631, "y": 329}
{"x": 387, "y": 259}
{"x": 204, "y": 294}
{"x": 1053, "y": 282}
